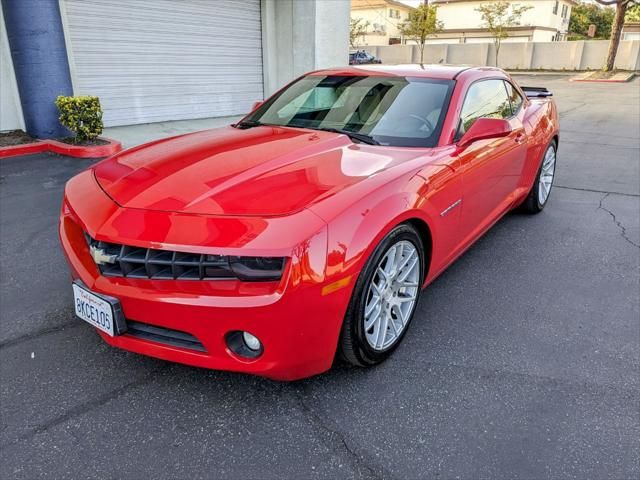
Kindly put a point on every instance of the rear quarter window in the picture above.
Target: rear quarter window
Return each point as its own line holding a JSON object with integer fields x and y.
{"x": 514, "y": 97}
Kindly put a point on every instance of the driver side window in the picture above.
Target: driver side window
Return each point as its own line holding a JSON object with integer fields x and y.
{"x": 486, "y": 98}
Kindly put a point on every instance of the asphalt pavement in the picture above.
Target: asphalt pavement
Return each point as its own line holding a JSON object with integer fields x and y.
{"x": 523, "y": 361}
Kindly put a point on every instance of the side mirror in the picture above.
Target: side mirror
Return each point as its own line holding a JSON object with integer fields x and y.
{"x": 484, "y": 128}
{"x": 256, "y": 105}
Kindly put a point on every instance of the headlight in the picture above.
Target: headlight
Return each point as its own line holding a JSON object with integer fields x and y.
{"x": 257, "y": 268}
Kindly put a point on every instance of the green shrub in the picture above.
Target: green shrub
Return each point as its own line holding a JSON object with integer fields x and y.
{"x": 82, "y": 115}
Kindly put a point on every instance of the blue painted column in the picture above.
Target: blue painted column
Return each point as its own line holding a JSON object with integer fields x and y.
{"x": 39, "y": 54}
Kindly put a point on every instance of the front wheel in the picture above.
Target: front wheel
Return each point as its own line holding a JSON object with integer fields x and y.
{"x": 539, "y": 194}
{"x": 384, "y": 299}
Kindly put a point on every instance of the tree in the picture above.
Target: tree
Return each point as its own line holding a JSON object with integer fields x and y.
{"x": 498, "y": 18}
{"x": 357, "y": 28}
{"x": 421, "y": 24}
{"x": 616, "y": 28}
{"x": 633, "y": 14}
{"x": 585, "y": 14}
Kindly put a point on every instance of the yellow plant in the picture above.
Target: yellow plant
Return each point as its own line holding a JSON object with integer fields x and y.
{"x": 82, "y": 115}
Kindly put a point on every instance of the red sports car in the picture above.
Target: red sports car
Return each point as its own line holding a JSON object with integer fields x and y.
{"x": 307, "y": 230}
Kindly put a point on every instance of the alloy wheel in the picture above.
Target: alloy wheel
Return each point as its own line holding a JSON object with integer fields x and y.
{"x": 392, "y": 295}
{"x": 546, "y": 175}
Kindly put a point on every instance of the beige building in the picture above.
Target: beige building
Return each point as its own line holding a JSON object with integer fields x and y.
{"x": 546, "y": 21}
{"x": 383, "y": 17}
{"x": 631, "y": 31}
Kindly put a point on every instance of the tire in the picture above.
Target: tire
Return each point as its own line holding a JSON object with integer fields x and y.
{"x": 537, "y": 198}
{"x": 360, "y": 345}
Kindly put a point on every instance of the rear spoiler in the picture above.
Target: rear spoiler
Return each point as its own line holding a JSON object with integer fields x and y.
{"x": 535, "y": 92}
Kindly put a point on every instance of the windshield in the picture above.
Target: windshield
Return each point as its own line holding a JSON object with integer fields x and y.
{"x": 398, "y": 111}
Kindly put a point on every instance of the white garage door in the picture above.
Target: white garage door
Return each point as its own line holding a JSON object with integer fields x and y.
{"x": 158, "y": 60}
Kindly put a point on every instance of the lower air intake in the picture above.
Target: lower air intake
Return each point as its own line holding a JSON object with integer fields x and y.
{"x": 153, "y": 333}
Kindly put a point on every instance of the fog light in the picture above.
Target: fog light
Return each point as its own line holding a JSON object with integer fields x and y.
{"x": 244, "y": 344}
{"x": 251, "y": 341}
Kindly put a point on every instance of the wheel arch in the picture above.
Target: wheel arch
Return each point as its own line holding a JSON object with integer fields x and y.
{"x": 424, "y": 232}
{"x": 362, "y": 238}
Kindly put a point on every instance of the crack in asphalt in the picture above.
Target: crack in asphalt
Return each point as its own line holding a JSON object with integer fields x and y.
{"x": 623, "y": 230}
{"x": 39, "y": 333}
{"x": 486, "y": 372}
{"x": 337, "y": 442}
{"x": 578, "y": 189}
{"x": 569, "y": 110}
{"x": 85, "y": 407}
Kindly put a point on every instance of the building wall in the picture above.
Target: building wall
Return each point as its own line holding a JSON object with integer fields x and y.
{"x": 521, "y": 35}
{"x": 10, "y": 109}
{"x": 631, "y": 31}
{"x": 487, "y": 38}
{"x": 456, "y": 15}
{"x": 380, "y": 15}
{"x": 332, "y": 34}
{"x": 578, "y": 55}
{"x": 299, "y": 36}
{"x": 543, "y": 36}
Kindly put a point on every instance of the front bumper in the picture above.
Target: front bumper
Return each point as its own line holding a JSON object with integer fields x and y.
{"x": 297, "y": 319}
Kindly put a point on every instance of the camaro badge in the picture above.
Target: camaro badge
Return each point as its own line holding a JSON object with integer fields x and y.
{"x": 100, "y": 257}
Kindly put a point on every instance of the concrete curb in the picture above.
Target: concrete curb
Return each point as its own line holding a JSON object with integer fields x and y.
{"x": 61, "y": 148}
{"x": 621, "y": 77}
{"x": 534, "y": 73}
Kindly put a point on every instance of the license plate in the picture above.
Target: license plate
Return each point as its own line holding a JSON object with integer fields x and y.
{"x": 102, "y": 312}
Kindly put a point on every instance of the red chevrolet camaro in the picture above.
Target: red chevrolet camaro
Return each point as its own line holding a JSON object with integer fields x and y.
{"x": 307, "y": 230}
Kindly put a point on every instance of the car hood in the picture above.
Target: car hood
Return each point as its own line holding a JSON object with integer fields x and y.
{"x": 266, "y": 171}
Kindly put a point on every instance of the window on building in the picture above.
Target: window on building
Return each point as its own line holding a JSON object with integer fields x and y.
{"x": 555, "y": 8}
{"x": 565, "y": 8}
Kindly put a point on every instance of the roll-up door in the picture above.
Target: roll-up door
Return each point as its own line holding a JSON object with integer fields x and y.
{"x": 158, "y": 60}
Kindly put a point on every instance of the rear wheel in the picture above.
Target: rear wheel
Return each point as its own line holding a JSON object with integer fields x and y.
{"x": 539, "y": 194}
{"x": 384, "y": 299}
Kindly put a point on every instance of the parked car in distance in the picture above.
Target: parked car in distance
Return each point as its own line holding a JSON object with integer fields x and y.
{"x": 361, "y": 57}
{"x": 309, "y": 228}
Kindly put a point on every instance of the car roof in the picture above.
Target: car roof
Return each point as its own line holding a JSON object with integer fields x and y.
{"x": 437, "y": 71}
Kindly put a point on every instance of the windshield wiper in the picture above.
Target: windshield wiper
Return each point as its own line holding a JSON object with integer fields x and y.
{"x": 361, "y": 137}
{"x": 248, "y": 124}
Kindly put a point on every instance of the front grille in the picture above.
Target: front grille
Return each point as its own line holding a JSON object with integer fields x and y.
{"x": 175, "y": 338}
{"x": 134, "y": 262}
